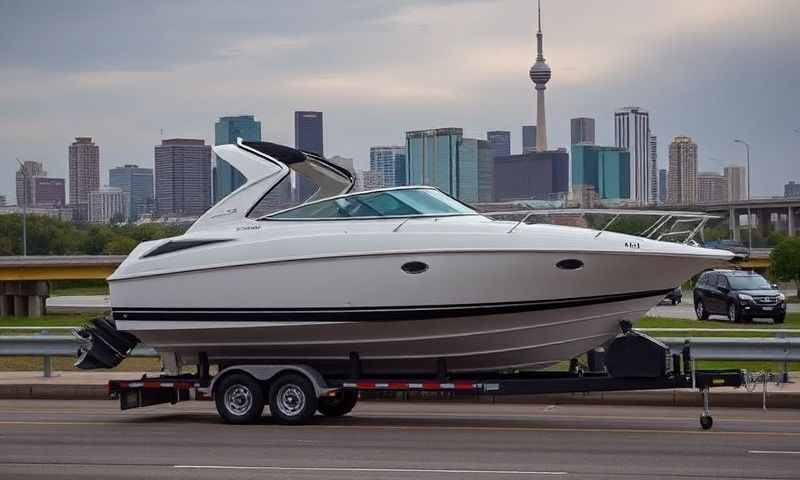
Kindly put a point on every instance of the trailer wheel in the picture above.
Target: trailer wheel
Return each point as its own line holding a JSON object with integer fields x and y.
{"x": 706, "y": 422}
{"x": 292, "y": 399}
{"x": 239, "y": 398}
{"x": 339, "y": 405}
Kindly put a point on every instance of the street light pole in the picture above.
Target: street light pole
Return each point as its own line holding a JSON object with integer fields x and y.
{"x": 24, "y": 209}
{"x": 749, "y": 218}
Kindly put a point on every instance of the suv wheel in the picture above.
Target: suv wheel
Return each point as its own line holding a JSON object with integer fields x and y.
{"x": 700, "y": 310}
{"x": 733, "y": 313}
{"x": 779, "y": 318}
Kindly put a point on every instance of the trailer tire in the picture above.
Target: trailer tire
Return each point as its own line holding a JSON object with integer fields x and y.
{"x": 239, "y": 398}
{"x": 339, "y": 405}
{"x": 292, "y": 399}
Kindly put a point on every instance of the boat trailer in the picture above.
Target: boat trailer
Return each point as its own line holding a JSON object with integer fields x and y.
{"x": 634, "y": 361}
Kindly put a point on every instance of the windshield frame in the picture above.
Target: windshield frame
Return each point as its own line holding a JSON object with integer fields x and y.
{"x": 269, "y": 217}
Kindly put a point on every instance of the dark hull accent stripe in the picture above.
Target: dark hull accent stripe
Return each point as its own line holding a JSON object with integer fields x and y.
{"x": 365, "y": 314}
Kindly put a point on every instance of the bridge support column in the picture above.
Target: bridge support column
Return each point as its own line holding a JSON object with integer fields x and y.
{"x": 764, "y": 222}
{"x": 24, "y": 299}
{"x": 790, "y": 222}
{"x": 733, "y": 223}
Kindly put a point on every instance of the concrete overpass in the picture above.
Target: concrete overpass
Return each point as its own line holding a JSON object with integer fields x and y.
{"x": 24, "y": 284}
{"x": 782, "y": 213}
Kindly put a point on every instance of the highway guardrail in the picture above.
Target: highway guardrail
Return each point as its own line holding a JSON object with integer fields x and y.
{"x": 49, "y": 346}
{"x": 702, "y": 348}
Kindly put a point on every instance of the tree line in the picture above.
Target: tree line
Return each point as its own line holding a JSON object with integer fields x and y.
{"x": 51, "y": 236}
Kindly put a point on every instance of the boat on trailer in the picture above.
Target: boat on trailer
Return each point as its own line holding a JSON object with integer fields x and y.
{"x": 403, "y": 277}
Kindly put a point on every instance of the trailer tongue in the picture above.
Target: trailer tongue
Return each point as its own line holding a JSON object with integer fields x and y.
{"x": 295, "y": 392}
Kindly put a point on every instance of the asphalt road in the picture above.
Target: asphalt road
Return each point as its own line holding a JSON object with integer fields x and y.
{"x": 92, "y": 439}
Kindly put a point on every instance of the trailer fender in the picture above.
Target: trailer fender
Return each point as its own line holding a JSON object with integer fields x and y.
{"x": 265, "y": 373}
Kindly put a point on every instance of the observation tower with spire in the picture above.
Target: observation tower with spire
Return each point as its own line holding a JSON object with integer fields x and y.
{"x": 540, "y": 74}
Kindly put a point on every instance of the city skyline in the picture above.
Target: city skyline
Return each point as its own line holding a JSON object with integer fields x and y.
{"x": 711, "y": 109}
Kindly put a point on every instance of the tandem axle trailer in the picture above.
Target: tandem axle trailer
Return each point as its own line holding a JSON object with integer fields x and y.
{"x": 295, "y": 392}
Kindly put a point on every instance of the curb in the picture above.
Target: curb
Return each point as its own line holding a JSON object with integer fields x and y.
{"x": 53, "y": 392}
{"x": 663, "y": 398}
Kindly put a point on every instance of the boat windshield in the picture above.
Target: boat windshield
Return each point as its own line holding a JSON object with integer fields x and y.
{"x": 405, "y": 202}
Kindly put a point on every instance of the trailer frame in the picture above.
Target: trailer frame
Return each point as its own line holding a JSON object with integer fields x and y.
{"x": 173, "y": 389}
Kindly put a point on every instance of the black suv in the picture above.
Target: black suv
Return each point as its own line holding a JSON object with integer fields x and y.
{"x": 739, "y": 294}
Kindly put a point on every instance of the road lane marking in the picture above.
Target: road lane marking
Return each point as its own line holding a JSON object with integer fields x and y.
{"x": 773, "y": 452}
{"x": 435, "y": 427}
{"x": 369, "y": 470}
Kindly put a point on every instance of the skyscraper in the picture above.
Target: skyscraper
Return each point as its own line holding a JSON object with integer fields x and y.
{"x": 791, "y": 189}
{"x": 84, "y": 175}
{"x": 182, "y": 177}
{"x": 499, "y": 142}
{"x": 652, "y": 171}
{"x": 486, "y": 156}
{"x": 137, "y": 183}
{"x": 48, "y": 192}
{"x": 531, "y": 176}
{"x": 308, "y": 132}
{"x": 308, "y": 137}
{"x": 368, "y": 180}
{"x": 467, "y": 164}
{"x": 227, "y": 130}
{"x": 108, "y": 205}
{"x": 528, "y": 138}
{"x": 737, "y": 183}
{"x": 581, "y": 130}
{"x": 540, "y": 75}
{"x": 682, "y": 181}
{"x": 662, "y": 186}
{"x": 606, "y": 169}
{"x": 25, "y": 175}
{"x": 712, "y": 187}
{"x": 632, "y": 132}
{"x": 432, "y": 158}
{"x": 390, "y": 162}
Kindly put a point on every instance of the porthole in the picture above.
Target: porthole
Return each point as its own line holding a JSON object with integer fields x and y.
{"x": 570, "y": 264}
{"x": 414, "y": 267}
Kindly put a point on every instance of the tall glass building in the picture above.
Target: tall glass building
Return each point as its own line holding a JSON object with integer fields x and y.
{"x": 528, "y": 138}
{"x": 307, "y": 136}
{"x": 433, "y": 158}
{"x": 607, "y": 169}
{"x": 227, "y": 130}
{"x": 137, "y": 183}
{"x": 390, "y": 162}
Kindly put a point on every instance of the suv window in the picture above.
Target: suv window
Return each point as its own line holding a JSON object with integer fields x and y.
{"x": 749, "y": 282}
{"x": 722, "y": 282}
{"x": 708, "y": 279}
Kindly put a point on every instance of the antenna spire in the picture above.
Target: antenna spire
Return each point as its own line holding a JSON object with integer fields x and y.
{"x": 540, "y": 16}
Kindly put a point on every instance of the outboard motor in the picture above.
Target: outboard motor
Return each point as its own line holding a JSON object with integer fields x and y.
{"x": 103, "y": 346}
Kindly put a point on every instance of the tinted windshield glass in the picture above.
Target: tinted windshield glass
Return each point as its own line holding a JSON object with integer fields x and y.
{"x": 748, "y": 282}
{"x": 390, "y": 203}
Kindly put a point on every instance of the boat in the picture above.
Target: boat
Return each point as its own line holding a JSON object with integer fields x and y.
{"x": 406, "y": 279}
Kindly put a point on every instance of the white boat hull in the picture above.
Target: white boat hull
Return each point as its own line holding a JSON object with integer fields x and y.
{"x": 484, "y": 311}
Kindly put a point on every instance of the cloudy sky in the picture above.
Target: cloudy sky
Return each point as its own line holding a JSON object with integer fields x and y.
{"x": 122, "y": 71}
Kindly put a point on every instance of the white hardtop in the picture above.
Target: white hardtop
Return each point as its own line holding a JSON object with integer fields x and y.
{"x": 263, "y": 166}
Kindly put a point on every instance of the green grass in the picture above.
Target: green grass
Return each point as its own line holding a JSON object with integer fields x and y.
{"x": 753, "y": 366}
{"x": 78, "y": 287}
{"x": 792, "y": 322}
{"x": 64, "y": 364}
{"x": 57, "y": 320}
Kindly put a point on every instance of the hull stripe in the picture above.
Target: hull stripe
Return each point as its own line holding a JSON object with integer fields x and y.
{"x": 364, "y": 314}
